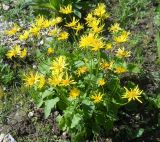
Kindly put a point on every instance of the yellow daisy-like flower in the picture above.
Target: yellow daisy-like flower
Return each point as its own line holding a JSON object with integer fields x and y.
{"x": 59, "y": 65}
{"x": 100, "y": 11}
{"x": 54, "y": 32}
{"x": 55, "y": 79}
{"x": 92, "y": 41}
{"x": 133, "y": 94}
{"x": 41, "y": 81}
{"x": 56, "y": 21}
{"x": 121, "y": 53}
{"x": 73, "y": 23}
{"x": 24, "y": 36}
{"x": 115, "y": 28}
{"x": 66, "y": 9}
{"x": 81, "y": 70}
{"x": 120, "y": 70}
{"x": 50, "y": 51}
{"x": 101, "y": 82}
{"x": 122, "y": 38}
{"x": 97, "y": 97}
{"x": 34, "y": 30}
{"x": 67, "y": 81}
{"x": 108, "y": 46}
{"x": 13, "y": 52}
{"x": 78, "y": 27}
{"x": 39, "y": 21}
{"x": 23, "y": 53}
{"x": 46, "y": 24}
{"x": 74, "y": 93}
{"x": 90, "y": 18}
{"x": 106, "y": 65}
{"x": 13, "y": 30}
{"x": 63, "y": 36}
{"x": 31, "y": 79}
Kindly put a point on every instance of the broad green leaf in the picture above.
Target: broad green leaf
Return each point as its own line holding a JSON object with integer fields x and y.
{"x": 133, "y": 68}
{"x": 75, "y": 121}
{"x": 47, "y": 93}
{"x": 49, "y": 104}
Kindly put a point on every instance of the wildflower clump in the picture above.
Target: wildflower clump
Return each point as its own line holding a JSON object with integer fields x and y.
{"x": 76, "y": 67}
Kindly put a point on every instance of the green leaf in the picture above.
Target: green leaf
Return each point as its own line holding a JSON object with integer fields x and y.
{"x": 139, "y": 132}
{"x": 47, "y": 93}
{"x": 49, "y": 104}
{"x": 133, "y": 68}
{"x": 75, "y": 121}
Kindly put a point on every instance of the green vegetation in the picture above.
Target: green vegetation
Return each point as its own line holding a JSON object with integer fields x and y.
{"x": 80, "y": 70}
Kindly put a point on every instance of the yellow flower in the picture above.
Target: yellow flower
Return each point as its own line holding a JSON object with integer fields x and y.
{"x": 78, "y": 27}
{"x": 73, "y": 23}
{"x": 122, "y": 38}
{"x": 50, "y": 51}
{"x": 35, "y": 30}
{"x": 13, "y": 30}
{"x": 31, "y": 79}
{"x": 101, "y": 82}
{"x": 81, "y": 70}
{"x": 89, "y": 19}
{"x": 24, "y": 36}
{"x": 91, "y": 41}
{"x": 41, "y": 81}
{"x": 66, "y": 9}
{"x": 55, "y": 79}
{"x": 121, "y": 53}
{"x": 115, "y": 28}
{"x": 63, "y": 36}
{"x": 23, "y": 53}
{"x": 39, "y": 21}
{"x": 54, "y": 32}
{"x": 106, "y": 65}
{"x": 59, "y": 65}
{"x": 133, "y": 94}
{"x": 13, "y": 52}
{"x": 108, "y": 46}
{"x": 120, "y": 70}
{"x": 100, "y": 11}
{"x": 67, "y": 81}
{"x": 97, "y": 97}
{"x": 56, "y": 21}
{"x": 46, "y": 23}
{"x": 74, "y": 93}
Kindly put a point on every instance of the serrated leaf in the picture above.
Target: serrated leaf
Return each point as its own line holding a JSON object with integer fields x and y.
{"x": 75, "y": 121}
{"x": 49, "y": 104}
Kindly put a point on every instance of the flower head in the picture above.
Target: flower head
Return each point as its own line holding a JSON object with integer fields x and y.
{"x": 31, "y": 79}
{"x": 59, "y": 65}
{"x": 120, "y": 70}
{"x": 50, "y": 51}
{"x": 24, "y": 36}
{"x": 100, "y": 11}
{"x": 133, "y": 94}
{"x": 73, "y": 23}
{"x": 74, "y": 93}
{"x": 122, "y": 38}
{"x": 23, "y": 53}
{"x": 66, "y": 9}
{"x": 121, "y": 53}
{"x": 114, "y": 28}
{"x": 101, "y": 82}
{"x": 63, "y": 36}
{"x": 97, "y": 97}
{"x": 81, "y": 70}
{"x": 13, "y": 30}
